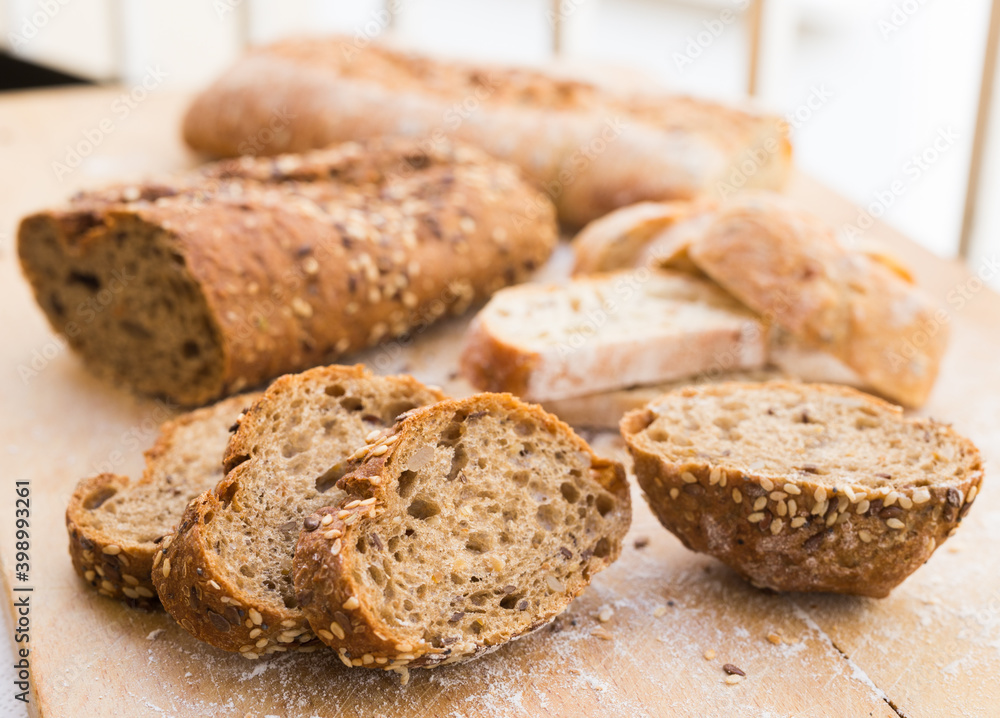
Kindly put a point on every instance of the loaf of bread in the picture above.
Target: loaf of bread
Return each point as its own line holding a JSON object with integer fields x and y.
{"x": 469, "y": 523}
{"x": 115, "y": 526}
{"x": 226, "y": 574}
{"x": 858, "y": 306}
{"x": 592, "y": 149}
{"x": 611, "y": 331}
{"x": 802, "y": 487}
{"x": 200, "y": 285}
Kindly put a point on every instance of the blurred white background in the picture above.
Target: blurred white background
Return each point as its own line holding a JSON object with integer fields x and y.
{"x": 879, "y": 91}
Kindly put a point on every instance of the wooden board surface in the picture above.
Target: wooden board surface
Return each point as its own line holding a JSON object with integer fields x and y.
{"x": 932, "y": 649}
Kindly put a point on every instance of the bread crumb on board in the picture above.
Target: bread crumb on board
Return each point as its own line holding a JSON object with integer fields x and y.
{"x": 709, "y": 654}
{"x": 606, "y": 614}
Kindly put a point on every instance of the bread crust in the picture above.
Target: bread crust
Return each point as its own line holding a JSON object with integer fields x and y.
{"x": 324, "y": 557}
{"x": 188, "y": 574}
{"x": 827, "y": 545}
{"x": 115, "y": 565}
{"x": 351, "y": 246}
{"x": 592, "y": 149}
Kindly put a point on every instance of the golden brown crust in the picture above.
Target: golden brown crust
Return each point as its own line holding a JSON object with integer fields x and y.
{"x": 853, "y": 541}
{"x": 351, "y": 246}
{"x": 324, "y": 576}
{"x": 591, "y": 149}
{"x": 490, "y": 364}
{"x": 118, "y": 566}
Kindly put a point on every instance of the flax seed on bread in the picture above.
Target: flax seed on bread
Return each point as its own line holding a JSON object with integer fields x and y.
{"x": 115, "y": 525}
{"x": 802, "y": 487}
{"x": 226, "y": 574}
{"x": 469, "y": 523}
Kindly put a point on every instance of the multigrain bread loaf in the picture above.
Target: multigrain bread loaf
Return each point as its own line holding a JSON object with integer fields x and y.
{"x": 802, "y": 487}
{"x": 226, "y": 574}
{"x": 467, "y": 524}
{"x": 857, "y": 305}
{"x": 592, "y": 334}
{"x": 115, "y": 526}
{"x": 199, "y": 285}
{"x": 593, "y": 150}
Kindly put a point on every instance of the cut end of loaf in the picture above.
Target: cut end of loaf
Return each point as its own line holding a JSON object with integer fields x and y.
{"x": 803, "y": 487}
{"x": 473, "y": 522}
{"x": 120, "y": 293}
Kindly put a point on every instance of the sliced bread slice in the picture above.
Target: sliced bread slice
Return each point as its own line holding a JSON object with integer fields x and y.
{"x": 545, "y": 342}
{"x": 226, "y": 575}
{"x": 468, "y": 524}
{"x": 115, "y": 525}
{"x": 803, "y": 487}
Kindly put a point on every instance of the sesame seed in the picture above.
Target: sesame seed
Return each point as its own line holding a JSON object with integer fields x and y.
{"x": 337, "y": 630}
{"x": 215, "y": 585}
{"x": 404, "y": 675}
{"x": 131, "y": 580}
{"x": 288, "y": 623}
{"x": 352, "y": 603}
{"x": 368, "y": 502}
{"x": 819, "y": 494}
{"x": 737, "y": 496}
{"x": 849, "y": 493}
{"x": 895, "y": 524}
{"x": 890, "y": 499}
{"x": 820, "y": 508}
{"x": 255, "y": 617}
{"x": 688, "y": 478}
{"x": 255, "y": 632}
{"x": 379, "y": 450}
{"x": 302, "y": 308}
{"x": 798, "y": 521}
{"x": 674, "y": 493}
{"x": 107, "y": 585}
{"x": 778, "y": 496}
{"x": 352, "y": 518}
{"x": 842, "y": 503}
{"x": 733, "y": 680}
{"x": 367, "y": 659}
{"x": 130, "y": 592}
{"x": 244, "y": 649}
{"x": 921, "y": 495}
{"x": 342, "y": 514}
{"x": 606, "y": 614}
{"x": 327, "y": 520}
{"x": 335, "y": 549}
{"x": 905, "y": 502}
{"x": 715, "y": 476}
{"x": 832, "y": 518}
{"x": 863, "y": 506}
{"x": 381, "y": 660}
{"x": 325, "y": 635}
{"x": 782, "y": 508}
{"x": 372, "y": 436}
{"x": 659, "y": 611}
{"x": 310, "y": 265}
{"x": 250, "y": 656}
{"x": 760, "y": 503}
{"x": 774, "y": 638}
{"x": 111, "y": 550}
{"x": 602, "y": 633}
{"x": 767, "y": 484}
{"x": 864, "y": 536}
{"x": 356, "y": 502}
{"x": 755, "y": 517}
{"x": 554, "y": 583}
{"x": 776, "y": 526}
{"x": 405, "y": 657}
{"x": 973, "y": 492}
{"x": 792, "y": 489}
{"x": 342, "y": 654}
{"x": 166, "y": 568}
{"x": 404, "y": 647}
{"x": 89, "y": 575}
{"x": 793, "y": 507}
{"x": 332, "y": 534}
{"x": 709, "y": 654}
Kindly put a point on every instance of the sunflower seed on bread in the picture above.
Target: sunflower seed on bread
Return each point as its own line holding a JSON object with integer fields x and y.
{"x": 803, "y": 487}
{"x": 471, "y": 522}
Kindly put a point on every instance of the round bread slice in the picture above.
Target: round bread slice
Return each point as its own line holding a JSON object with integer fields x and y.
{"x": 115, "y": 526}
{"x": 802, "y": 487}
{"x": 226, "y": 575}
{"x": 468, "y": 524}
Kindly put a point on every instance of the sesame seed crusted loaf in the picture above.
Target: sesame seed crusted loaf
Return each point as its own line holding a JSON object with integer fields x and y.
{"x": 201, "y": 284}
{"x": 594, "y": 149}
{"x": 467, "y": 524}
{"x": 115, "y": 526}
{"x": 225, "y": 575}
{"x": 802, "y": 487}
{"x": 608, "y": 331}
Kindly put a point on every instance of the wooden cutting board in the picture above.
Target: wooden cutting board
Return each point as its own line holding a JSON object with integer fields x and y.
{"x": 932, "y": 649}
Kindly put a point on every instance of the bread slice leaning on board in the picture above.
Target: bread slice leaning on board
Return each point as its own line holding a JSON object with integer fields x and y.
{"x": 592, "y": 149}
{"x": 467, "y": 524}
{"x": 859, "y": 306}
{"x": 548, "y": 342}
{"x": 115, "y": 525}
{"x": 199, "y": 285}
{"x": 226, "y": 574}
{"x": 802, "y": 487}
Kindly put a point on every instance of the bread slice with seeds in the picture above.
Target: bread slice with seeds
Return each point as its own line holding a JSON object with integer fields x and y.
{"x": 608, "y": 331}
{"x": 226, "y": 574}
{"x": 803, "y": 487}
{"x": 468, "y": 524}
{"x": 115, "y": 525}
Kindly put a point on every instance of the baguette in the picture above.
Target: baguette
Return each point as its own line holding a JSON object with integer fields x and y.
{"x": 593, "y": 150}
{"x": 200, "y": 285}
{"x": 115, "y": 526}
{"x": 803, "y": 487}
{"x": 226, "y": 574}
{"x": 466, "y": 525}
